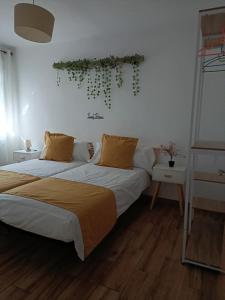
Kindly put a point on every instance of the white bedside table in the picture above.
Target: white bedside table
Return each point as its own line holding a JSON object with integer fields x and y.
{"x": 175, "y": 175}
{"x": 22, "y": 155}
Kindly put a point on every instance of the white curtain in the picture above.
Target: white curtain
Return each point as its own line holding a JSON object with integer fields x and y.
{"x": 9, "y": 131}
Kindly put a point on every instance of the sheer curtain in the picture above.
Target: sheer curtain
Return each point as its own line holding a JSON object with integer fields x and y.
{"x": 9, "y": 131}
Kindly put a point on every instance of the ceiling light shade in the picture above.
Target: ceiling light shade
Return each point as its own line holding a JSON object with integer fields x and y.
{"x": 33, "y": 23}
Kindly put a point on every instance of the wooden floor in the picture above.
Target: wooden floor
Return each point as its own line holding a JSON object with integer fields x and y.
{"x": 139, "y": 260}
{"x": 206, "y": 241}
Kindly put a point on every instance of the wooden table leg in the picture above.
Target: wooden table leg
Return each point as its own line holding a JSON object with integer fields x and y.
{"x": 155, "y": 194}
{"x": 180, "y": 193}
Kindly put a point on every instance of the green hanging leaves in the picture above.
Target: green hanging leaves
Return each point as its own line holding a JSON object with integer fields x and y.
{"x": 98, "y": 73}
{"x": 136, "y": 80}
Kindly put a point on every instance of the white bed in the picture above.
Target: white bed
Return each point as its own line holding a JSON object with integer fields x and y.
{"x": 41, "y": 168}
{"x": 57, "y": 223}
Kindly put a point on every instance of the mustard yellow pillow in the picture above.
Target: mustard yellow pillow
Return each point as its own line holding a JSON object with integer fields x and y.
{"x": 58, "y": 147}
{"x": 117, "y": 151}
{"x": 48, "y": 133}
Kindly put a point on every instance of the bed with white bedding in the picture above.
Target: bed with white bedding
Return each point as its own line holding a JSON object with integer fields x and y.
{"x": 22, "y": 173}
{"x": 57, "y": 223}
{"x": 41, "y": 168}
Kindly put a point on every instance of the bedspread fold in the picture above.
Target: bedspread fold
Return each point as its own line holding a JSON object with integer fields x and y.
{"x": 10, "y": 180}
{"x": 94, "y": 206}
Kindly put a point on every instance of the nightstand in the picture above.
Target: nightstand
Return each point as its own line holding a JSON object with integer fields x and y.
{"x": 176, "y": 175}
{"x": 22, "y": 155}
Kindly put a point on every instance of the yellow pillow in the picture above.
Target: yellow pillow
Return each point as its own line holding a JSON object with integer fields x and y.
{"x": 48, "y": 133}
{"x": 58, "y": 147}
{"x": 117, "y": 151}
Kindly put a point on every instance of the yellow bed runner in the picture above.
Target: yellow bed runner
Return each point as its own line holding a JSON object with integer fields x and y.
{"x": 10, "y": 180}
{"x": 94, "y": 206}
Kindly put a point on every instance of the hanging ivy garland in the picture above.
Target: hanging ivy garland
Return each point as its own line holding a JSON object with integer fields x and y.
{"x": 98, "y": 73}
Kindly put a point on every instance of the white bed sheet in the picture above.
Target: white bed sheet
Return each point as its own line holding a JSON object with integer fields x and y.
{"x": 41, "y": 168}
{"x": 127, "y": 185}
{"x": 57, "y": 223}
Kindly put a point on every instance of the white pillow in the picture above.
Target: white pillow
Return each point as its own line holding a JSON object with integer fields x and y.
{"x": 144, "y": 158}
{"x": 97, "y": 153}
{"x": 81, "y": 151}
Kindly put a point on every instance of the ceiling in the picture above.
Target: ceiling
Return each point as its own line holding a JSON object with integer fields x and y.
{"x": 81, "y": 19}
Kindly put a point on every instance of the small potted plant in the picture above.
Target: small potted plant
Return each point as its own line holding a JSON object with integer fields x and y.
{"x": 171, "y": 150}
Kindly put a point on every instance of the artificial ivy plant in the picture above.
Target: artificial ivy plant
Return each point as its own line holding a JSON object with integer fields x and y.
{"x": 98, "y": 74}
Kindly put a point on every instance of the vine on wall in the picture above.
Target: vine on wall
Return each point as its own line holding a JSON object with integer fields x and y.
{"x": 98, "y": 74}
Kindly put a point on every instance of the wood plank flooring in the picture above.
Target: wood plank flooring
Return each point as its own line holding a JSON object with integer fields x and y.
{"x": 205, "y": 243}
{"x": 140, "y": 259}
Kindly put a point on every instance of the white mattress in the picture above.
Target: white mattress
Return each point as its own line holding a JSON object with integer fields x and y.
{"x": 41, "y": 168}
{"x": 57, "y": 223}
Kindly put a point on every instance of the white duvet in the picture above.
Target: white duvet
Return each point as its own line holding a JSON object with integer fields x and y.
{"x": 57, "y": 223}
{"x": 41, "y": 168}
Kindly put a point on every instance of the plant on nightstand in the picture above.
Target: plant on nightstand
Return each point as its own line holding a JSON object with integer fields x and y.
{"x": 171, "y": 150}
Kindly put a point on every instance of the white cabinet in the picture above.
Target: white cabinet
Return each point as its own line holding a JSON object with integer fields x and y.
{"x": 164, "y": 173}
{"x": 174, "y": 175}
{"x": 22, "y": 155}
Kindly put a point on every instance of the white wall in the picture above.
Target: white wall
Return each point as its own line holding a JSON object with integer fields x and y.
{"x": 159, "y": 114}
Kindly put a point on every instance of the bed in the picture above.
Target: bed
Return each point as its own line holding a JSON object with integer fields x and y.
{"x": 61, "y": 224}
{"x": 18, "y": 174}
{"x": 41, "y": 168}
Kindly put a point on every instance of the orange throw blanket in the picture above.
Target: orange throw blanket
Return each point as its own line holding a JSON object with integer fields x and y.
{"x": 94, "y": 206}
{"x": 10, "y": 180}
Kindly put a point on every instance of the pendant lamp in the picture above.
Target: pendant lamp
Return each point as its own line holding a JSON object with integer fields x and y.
{"x": 33, "y": 23}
